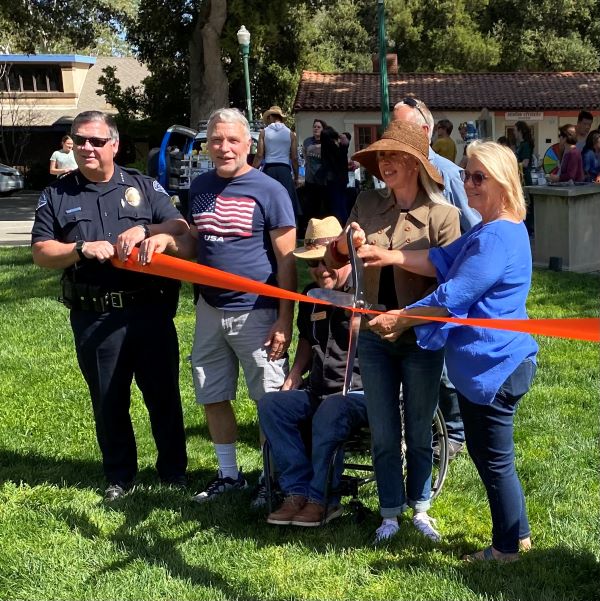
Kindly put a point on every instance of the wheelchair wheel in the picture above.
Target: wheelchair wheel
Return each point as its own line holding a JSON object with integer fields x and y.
{"x": 440, "y": 460}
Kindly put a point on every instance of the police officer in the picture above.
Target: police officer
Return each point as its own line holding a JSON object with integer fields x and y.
{"x": 122, "y": 321}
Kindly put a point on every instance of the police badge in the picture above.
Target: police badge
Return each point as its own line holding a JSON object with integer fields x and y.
{"x": 133, "y": 197}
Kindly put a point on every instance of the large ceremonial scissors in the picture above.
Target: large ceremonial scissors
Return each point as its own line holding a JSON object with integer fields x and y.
{"x": 353, "y": 301}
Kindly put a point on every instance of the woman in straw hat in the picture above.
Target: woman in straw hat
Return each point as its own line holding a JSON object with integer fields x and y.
{"x": 278, "y": 148}
{"x": 411, "y": 213}
{"x": 486, "y": 273}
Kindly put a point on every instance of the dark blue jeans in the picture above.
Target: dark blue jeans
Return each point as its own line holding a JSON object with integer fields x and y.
{"x": 450, "y": 409}
{"x": 489, "y": 437}
{"x": 386, "y": 367}
{"x": 281, "y": 416}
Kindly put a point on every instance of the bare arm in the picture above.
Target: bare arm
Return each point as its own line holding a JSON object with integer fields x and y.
{"x": 260, "y": 150}
{"x": 60, "y": 255}
{"x": 294, "y": 155}
{"x": 280, "y": 336}
{"x": 54, "y": 170}
{"x": 302, "y": 362}
{"x": 183, "y": 245}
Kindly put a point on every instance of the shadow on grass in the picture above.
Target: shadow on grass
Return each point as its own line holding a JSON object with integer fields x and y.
{"x": 247, "y": 433}
{"x": 550, "y": 574}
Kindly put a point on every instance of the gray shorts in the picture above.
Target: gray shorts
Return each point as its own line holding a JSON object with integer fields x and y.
{"x": 225, "y": 339}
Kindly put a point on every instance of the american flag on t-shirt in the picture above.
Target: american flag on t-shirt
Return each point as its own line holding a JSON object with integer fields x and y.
{"x": 222, "y": 215}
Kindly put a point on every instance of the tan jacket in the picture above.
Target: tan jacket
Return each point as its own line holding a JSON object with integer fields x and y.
{"x": 427, "y": 224}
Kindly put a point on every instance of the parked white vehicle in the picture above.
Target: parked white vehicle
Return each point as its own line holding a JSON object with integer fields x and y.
{"x": 11, "y": 180}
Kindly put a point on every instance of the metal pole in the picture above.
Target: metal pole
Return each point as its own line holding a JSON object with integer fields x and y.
{"x": 245, "y": 53}
{"x": 383, "y": 78}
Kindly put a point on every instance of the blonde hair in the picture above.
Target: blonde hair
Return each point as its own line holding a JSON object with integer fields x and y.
{"x": 501, "y": 163}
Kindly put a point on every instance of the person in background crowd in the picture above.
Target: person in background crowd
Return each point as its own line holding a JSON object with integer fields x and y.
{"x": 485, "y": 274}
{"x": 462, "y": 130}
{"x": 242, "y": 223}
{"x": 591, "y": 157}
{"x": 122, "y": 322}
{"x": 314, "y": 193}
{"x": 416, "y": 111}
{"x": 334, "y": 158}
{"x": 322, "y": 348}
{"x": 571, "y": 165}
{"x": 524, "y": 150}
{"x": 444, "y": 145}
{"x": 584, "y": 124}
{"x": 278, "y": 148}
{"x": 63, "y": 161}
{"x": 410, "y": 212}
{"x": 504, "y": 141}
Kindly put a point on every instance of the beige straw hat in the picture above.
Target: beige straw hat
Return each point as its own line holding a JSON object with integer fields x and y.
{"x": 274, "y": 110}
{"x": 319, "y": 233}
{"x": 400, "y": 136}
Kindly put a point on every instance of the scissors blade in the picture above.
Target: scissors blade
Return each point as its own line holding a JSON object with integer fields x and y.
{"x": 335, "y": 297}
{"x": 358, "y": 303}
{"x": 354, "y": 331}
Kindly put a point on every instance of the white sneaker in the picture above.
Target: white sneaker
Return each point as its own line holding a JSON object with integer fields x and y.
{"x": 387, "y": 529}
{"x": 424, "y": 523}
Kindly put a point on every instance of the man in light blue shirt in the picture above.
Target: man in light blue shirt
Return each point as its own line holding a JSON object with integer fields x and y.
{"x": 416, "y": 111}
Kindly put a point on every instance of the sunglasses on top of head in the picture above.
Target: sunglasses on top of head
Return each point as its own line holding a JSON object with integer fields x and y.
{"x": 409, "y": 101}
{"x": 95, "y": 142}
{"x": 476, "y": 177}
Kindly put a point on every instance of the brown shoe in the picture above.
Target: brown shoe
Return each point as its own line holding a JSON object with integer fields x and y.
{"x": 291, "y": 505}
{"x": 313, "y": 514}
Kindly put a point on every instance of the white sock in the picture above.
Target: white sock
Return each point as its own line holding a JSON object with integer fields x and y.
{"x": 226, "y": 456}
{"x": 389, "y": 521}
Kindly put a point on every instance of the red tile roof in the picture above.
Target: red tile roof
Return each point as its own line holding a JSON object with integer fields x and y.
{"x": 451, "y": 91}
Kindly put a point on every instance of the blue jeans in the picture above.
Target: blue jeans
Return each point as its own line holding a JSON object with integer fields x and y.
{"x": 450, "y": 409}
{"x": 386, "y": 367}
{"x": 281, "y": 416}
{"x": 489, "y": 436}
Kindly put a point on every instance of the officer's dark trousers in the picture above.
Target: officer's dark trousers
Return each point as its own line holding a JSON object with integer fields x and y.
{"x": 114, "y": 347}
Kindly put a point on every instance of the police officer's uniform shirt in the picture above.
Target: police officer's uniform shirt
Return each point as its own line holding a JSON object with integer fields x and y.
{"x": 74, "y": 208}
{"x": 234, "y": 217}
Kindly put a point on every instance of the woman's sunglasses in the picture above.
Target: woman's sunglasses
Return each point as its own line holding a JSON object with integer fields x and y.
{"x": 477, "y": 177}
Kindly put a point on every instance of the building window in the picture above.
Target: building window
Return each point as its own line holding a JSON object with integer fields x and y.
{"x": 29, "y": 78}
{"x": 364, "y": 135}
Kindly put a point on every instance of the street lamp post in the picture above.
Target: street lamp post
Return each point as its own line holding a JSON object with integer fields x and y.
{"x": 243, "y": 36}
{"x": 383, "y": 77}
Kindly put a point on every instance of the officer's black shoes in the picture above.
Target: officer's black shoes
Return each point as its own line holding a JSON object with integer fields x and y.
{"x": 115, "y": 491}
{"x": 179, "y": 482}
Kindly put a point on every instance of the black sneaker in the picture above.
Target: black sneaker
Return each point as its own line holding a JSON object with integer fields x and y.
{"x": 220, "y": 485}
{"x": 115, "y": 491}
{"x": 259, "y": 495}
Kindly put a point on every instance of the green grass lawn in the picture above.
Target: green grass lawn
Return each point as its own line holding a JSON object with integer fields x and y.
{"x": 58, "y": 541}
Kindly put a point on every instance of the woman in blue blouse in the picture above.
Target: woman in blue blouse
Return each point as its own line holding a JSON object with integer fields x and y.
{"x": 486, "y": 273}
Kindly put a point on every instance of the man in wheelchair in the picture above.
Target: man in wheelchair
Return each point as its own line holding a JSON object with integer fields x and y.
{"x": 305, "y": 421}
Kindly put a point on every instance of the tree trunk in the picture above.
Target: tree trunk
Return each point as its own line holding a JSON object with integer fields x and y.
{"x": 209, "y": 87}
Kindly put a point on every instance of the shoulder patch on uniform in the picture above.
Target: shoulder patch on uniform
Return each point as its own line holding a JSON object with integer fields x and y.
{"x": 158, "y": 187}
{"x": 42, "y": 200}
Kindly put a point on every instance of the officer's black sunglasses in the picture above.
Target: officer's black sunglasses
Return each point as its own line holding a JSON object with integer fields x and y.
{"x": 95, "y": 142}
{"x": 414, "y": 104}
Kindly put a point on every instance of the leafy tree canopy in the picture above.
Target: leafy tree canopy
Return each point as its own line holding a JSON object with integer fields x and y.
{"x": 47, "y": 26}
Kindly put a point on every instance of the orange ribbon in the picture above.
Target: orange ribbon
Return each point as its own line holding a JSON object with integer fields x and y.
{"x": 189, "y": 271}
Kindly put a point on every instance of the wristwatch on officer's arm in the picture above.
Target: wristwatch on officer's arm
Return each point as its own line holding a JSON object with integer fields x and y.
{"x": 79, "y": 249}
{"x": 146, "y": 229}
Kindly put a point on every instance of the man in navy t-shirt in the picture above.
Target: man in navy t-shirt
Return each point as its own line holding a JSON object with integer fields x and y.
{"x": 242, "y": 223}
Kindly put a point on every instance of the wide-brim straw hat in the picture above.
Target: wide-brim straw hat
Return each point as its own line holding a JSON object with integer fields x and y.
{"x": 274, "y": 110}
{"x": 400, "y": 136}
{"x": 319, "y": 233}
